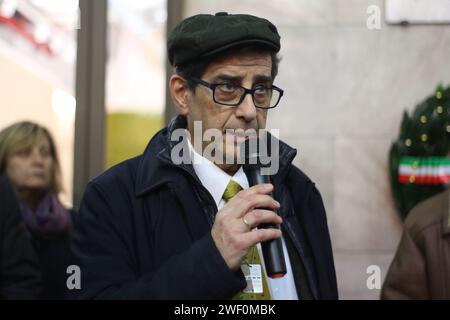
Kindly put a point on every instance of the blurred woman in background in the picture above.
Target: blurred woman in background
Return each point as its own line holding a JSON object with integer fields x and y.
{"x": 29, "y": 160}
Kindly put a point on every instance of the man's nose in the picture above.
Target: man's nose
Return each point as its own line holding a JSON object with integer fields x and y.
{"x": 246, "y": 110}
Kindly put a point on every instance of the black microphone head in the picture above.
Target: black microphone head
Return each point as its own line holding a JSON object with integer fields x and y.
{"x": 255, "y": 152}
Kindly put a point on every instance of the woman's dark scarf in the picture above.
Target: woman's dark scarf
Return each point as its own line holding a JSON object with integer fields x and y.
{"x": 49, "y": 220}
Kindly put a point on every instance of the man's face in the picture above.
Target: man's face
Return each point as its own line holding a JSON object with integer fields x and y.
{"x": 247, "y": 69}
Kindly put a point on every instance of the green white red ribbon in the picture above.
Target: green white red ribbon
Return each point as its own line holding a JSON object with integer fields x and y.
{"x": 420, "y": 170}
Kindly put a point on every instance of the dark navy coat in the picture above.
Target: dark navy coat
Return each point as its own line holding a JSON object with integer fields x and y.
{"x": 143, "y": 231}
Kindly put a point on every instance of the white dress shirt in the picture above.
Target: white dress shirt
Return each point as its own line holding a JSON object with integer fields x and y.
{"x": 215, "y": 181}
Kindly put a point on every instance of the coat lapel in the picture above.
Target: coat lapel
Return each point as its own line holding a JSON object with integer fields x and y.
{"x": 195, "y": 214}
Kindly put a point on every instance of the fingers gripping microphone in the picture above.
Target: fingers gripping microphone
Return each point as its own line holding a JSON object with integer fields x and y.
{"x": 253, "y": 149}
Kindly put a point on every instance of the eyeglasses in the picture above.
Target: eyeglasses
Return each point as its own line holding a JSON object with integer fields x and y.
{"x": 230, "y": 94}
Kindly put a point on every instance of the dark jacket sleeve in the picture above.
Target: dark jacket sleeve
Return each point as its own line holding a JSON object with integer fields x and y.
{"x": 106, "y": 255}
{"x": 20, "y": 276}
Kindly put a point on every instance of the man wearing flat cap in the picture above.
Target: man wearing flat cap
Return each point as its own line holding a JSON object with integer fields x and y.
{"x": 154, "y": 227}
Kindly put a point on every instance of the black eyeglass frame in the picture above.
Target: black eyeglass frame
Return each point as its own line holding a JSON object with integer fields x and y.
{"x": 213, "y": 87}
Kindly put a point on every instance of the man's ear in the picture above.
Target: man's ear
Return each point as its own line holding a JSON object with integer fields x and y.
{"x": 180, "y": 93}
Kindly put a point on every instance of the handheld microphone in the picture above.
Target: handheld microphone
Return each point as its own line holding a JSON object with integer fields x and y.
{"x": 272, "y": 249}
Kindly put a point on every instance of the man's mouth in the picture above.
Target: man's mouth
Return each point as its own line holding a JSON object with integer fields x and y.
{"x": 237, "y": 135}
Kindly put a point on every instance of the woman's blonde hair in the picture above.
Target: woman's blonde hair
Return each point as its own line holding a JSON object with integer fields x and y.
{"x": 24, "y": 135}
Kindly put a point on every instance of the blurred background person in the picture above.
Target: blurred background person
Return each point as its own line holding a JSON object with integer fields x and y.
{"x": 421, "y": 266}
{"x": 20, "y": 276}
{"x": 29, "y": 159}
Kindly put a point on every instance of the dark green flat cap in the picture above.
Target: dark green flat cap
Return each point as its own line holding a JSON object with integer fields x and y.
{"x": 204, "y": 35}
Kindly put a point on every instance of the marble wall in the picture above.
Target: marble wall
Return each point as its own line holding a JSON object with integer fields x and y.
{"x": 345, "y": 90}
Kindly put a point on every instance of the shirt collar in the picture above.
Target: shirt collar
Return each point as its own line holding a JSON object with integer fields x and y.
{"x": 212, "y": 177}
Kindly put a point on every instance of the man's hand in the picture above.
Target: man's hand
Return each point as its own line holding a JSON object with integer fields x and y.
{"x": 232, "y": 232}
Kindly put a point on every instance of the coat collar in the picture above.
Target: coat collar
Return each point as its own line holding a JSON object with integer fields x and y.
{"x": 156, "y": 167}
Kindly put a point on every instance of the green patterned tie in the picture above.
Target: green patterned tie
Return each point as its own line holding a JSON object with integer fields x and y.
{"x": 252, "y": 257}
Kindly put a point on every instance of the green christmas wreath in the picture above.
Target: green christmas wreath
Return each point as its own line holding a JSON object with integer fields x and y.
{"x": 419, "y": 165}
